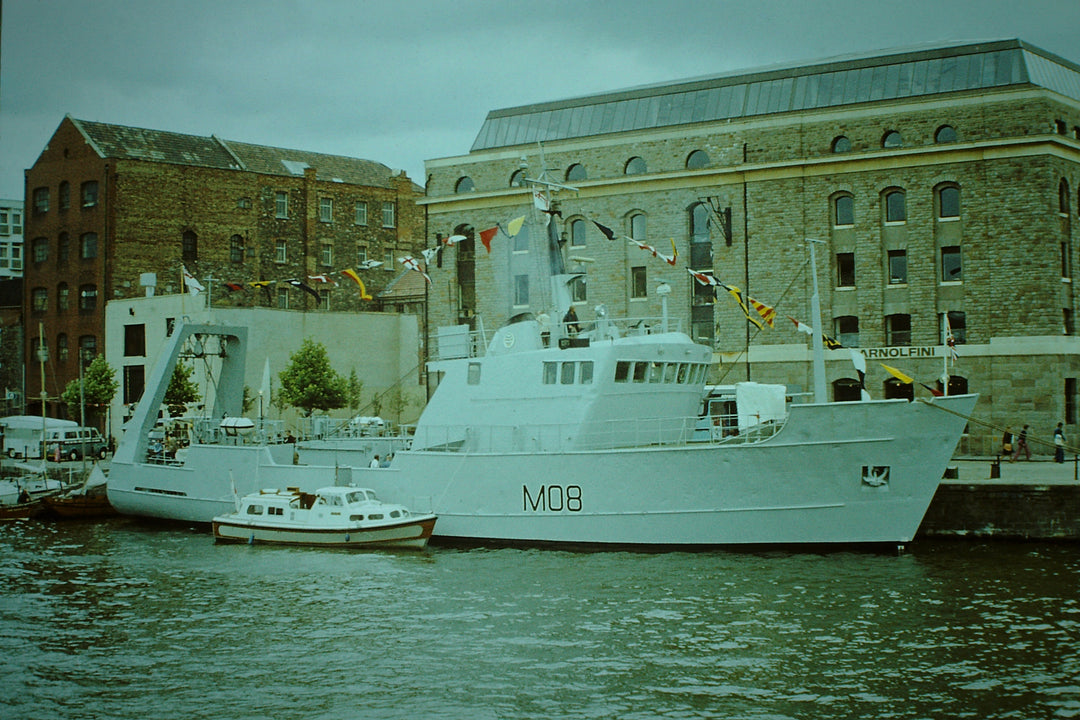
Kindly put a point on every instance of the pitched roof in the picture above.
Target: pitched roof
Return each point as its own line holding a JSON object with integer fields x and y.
{"x": 888, "y": 76}
{"x": 409, "y": 285}
{"x": 121, "y": 142}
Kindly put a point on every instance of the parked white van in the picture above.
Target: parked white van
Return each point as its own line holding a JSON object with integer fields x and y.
{"x": 22, "y": 434}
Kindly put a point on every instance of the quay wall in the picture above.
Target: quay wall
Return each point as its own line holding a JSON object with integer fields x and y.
{"x": 1020, "y": 511}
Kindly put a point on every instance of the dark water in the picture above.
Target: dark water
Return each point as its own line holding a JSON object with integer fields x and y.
{"x": 124, "y": 620}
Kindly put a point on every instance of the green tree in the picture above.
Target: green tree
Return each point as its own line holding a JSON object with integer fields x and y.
{"x": 309, "y": 382}
{"x": 181, "y": 391}
{"x": 99, "y": 387}
{"x": 356, "y": 388}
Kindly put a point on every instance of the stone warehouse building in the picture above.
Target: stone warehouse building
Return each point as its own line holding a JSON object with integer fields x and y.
{"x": 941, "y": 183}
{"x": 113, "y": 208}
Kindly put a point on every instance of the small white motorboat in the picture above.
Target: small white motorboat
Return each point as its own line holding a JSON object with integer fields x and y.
{"x": 331, "y": 516}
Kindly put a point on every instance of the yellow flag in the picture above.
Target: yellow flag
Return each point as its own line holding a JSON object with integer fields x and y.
{"x": 897, "y": 374}
{"x": 514, "y": 226}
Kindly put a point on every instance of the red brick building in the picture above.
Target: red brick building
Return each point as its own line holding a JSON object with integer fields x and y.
{"x": 107, "y": 205}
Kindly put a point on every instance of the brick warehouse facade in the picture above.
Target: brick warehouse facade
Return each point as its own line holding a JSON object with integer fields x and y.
{"x": 107, "y": 204}
{"x": 939, "y": 181}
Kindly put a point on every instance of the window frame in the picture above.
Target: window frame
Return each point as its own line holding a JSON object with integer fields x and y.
{"x": 326, "y": 209}
{"x": 889, "y": 206}
{"x": 951, "y": 251}
{"x": 88, "y": 246}
{"x": 88, "y": 194}
{"x": 281, "y": 205}
{"x": 389, "y": 215}
{"x": 848, "y": 200}
{"x": 236, "y": 249}
{"x": 893, "y": 277}
{"x": 639, "y": 282}
{"x": 360, "y": 213}
{"x": 898, "y": 336}
{"x": 845, "y": 270}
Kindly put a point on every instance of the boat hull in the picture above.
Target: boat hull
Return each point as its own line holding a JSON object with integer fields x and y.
{"x": 413, "y": 533}
{"x": 843, "y": 473}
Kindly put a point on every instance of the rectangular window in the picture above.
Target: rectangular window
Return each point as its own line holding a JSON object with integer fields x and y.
{"x": 951, "y": 269}
{"x": 388, "y": 260}
{"x": 89, "y": 193}
{"x": 360, "y": 213}
{"x": 326, "y": 255}
{"x": 567, "y": 376}
{"x": 88, "y": 246}
{"x": 898, "y": 267}
{"x": 845, "y": 269}
{"x": 281, "y": 254}
{"x": 283, "y": 298}
{"x": 16, "y": 257}
{"x": 40, "y": 248}
{"x": 1067, "y": 320}
{"x": 1070, "y": 401}
{"x": 361, "y": 254}
{"x": 5, "y": 222}
{"x": 4, "y": 262}
{"x": 551, "y": 372}
{"x": 134, "y": 383}
{"x": 389, "y": 215}
{"x": 16, "y": 222}
{"x": 521, "y": 289}
{"x": 62, "y": 297}
{"x": 135, "y": 341}
{"x": 1066, "y": 261}
{"x": 236, "y": 249}
{"x": 577, "y": 290}
{"x": 326, "y": 209}
{"x": 639, "y": 282}
{"x": 324, "y": 299}
{"x": 63, "y": 250}
{"x": 622, "y": 371}
{"x": 586, "y": 372}
{"x": 281, "y": 205}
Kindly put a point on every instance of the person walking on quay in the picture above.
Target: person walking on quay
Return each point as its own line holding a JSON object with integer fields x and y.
{"x": 1059, "y": 444}
{"x": 1022, "y": 445}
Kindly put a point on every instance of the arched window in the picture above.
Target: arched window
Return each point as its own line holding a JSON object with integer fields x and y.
{"x": 236, "y": 249}
{"x": 63, "y": 297}
{"x": 846, "y": 328}
{"x": 895, "y": 206}
{"x": 699, "y": 223}
{"x": 957, "y": 385}
{"x": 897, "y": 330}
{"x": 87, "y": 298}
{"x": 895, "y": 389}
{"x": 87, "y": 347}
{"x": 189, "y": 246}
{"x": 577, "y": 232}
{"x": 635, "y": 166}
{"x": 697, "y": 160}
{"x": 892, "y": 139}
{"x": 65, "y": 195}
{"x": 945, "y": 134}
{"x": 843, "y": 210}
{"x": 846, "y": 390}
{"x": 464, "y": 185}
{"x": 63, "y": 248}
{"x": 517, "y": 179}
{"x": 62, "y": 347}
{"x": 1063, "y": 197}
{"x": 841, "y": 144}
{"x": 576, "y": 172}
{"x": 639, "y": 226}
{"x": 948, "y": 202}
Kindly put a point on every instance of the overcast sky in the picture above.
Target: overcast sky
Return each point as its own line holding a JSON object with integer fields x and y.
{"x": 402, "y": 81}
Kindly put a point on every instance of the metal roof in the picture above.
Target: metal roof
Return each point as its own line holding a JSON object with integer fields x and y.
{"x": 893, "y": 76}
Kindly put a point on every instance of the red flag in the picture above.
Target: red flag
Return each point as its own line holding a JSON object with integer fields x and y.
{"x": 486, "y": 236}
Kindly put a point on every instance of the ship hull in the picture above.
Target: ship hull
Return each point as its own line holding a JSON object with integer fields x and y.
{"x": 859, "y": 473}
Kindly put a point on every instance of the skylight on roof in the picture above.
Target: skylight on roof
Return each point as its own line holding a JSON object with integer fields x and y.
{"x": 295, "y": 167}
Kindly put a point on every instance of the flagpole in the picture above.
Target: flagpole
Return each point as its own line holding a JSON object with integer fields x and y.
{"x": 815, "y": 312}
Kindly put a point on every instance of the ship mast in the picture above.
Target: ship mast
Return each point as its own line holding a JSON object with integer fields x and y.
{"x": 817, "y": 348}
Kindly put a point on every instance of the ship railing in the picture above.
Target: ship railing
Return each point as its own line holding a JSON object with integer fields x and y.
{"x": 465, "y": 343}
{"x": 600, "y": 435}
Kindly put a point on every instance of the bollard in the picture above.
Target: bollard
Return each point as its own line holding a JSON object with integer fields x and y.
{"x": 995, "y": 468}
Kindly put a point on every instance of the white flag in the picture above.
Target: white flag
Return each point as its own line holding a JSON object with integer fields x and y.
{"x": 193, "y": 285}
